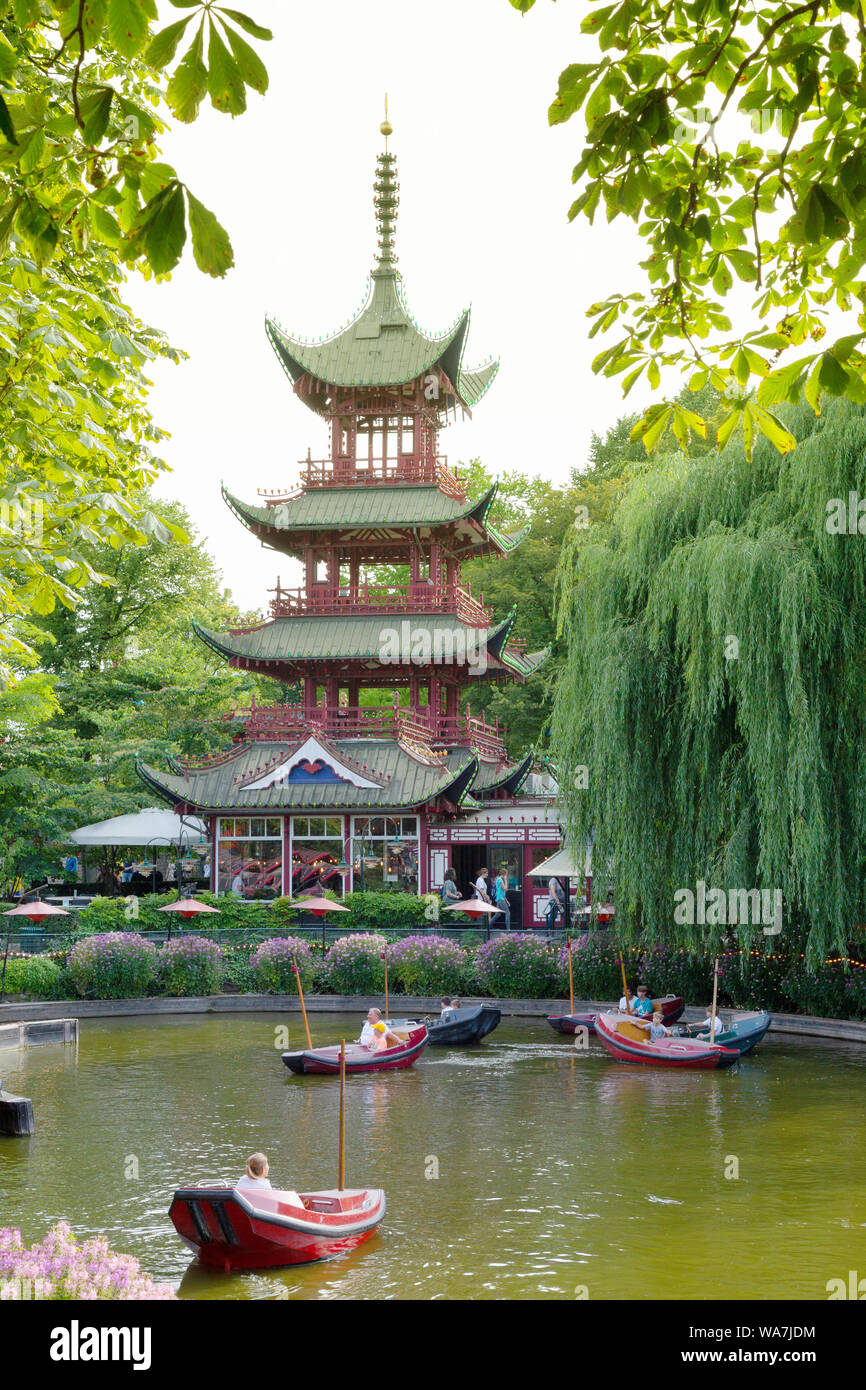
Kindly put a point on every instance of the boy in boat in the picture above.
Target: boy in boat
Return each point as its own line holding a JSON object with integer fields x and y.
{"x": 384, "y": 1038}
{"x": 706, "y": 1028}
{"x": 657, "y": 1030}
{"x": 641, "y": 1004}
{"x": 447, "y": 1007}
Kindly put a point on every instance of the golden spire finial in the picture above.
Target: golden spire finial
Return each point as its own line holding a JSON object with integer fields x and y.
{"x": 386, "y": 128}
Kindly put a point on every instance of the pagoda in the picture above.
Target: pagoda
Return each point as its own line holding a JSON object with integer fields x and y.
{"x": 355, "y": 784}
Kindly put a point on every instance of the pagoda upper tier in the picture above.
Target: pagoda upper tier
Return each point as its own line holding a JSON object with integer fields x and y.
{"x": 373, "y": 523}
{"x": 382, "y": 347}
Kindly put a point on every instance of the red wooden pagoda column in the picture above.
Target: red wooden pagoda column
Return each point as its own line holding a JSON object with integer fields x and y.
{"x": 309, "y": 696}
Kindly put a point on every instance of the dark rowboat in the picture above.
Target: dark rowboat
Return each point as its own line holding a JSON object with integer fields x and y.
{"x": 627, "y": 1042}
{"x": 464, "y": 1026}
{"x": 252, "y": 1228}
{"x": 671, "y": 1006}
{"x": 742, "y": 1035}
{"x": 325, "y": 1061}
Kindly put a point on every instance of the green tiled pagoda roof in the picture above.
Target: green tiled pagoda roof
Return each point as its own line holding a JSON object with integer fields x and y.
{"x": 392, "y": 508}
{"x": 318, "y": 638}
{"x": 383, "y": 346}
{"x": 405, "y": 780}
{"x": 492, "y": 777}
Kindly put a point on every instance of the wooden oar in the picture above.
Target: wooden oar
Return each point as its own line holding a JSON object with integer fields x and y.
{"x": 625, "y": 986}
{"x": 570, "y": 980}
{"x": 341, "y": 1158}
{"x": 301, "y": 997}
{"x": 715, "y": 997}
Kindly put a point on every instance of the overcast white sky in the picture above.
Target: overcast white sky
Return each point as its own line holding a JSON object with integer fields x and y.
{"x": 484, "y": 188}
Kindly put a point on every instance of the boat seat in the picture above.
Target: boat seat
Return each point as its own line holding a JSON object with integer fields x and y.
{"x": 632, "y": 1031}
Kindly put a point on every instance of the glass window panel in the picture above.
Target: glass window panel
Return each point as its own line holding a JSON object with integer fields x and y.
{"x": 409, "y": 825}
{"x": 334, "y": 826}
{"x": 257, "y": 825}
{"x": 317, "y": 825}
{"x": 377, "y": 825}
{"x": 227, "y": 826}
{"x": 300, "y": 825}
{"x": 274, "y": 826}
{"x": 314, "y": 866}
{"x": 251, "y": 869}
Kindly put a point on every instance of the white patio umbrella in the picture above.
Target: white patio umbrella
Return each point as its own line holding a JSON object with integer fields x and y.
{"x": 154, "y": 823}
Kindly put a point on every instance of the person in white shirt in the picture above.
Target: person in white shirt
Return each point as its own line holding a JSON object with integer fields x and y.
{"x": 374, "y": 1016}
{"x": 481, "y": 885}
{"x": 256, "y": 1172}
{"x": 707, "y": 1025}
{"x": 256, "y": 1177}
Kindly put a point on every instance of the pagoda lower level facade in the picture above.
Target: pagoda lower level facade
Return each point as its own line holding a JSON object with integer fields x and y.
{"x": 374, "y": 773}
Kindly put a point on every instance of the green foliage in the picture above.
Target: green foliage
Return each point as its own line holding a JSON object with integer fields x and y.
{"x": 737, "y": 763}
{"x": 776, "y": 212}
{"x": 116, "y": 965}
{"x": 385, "y": 911}
{"x": 427, "y": 965}
{"x": 82, "y": 195}
{"x": 519, "y": 967}
{"x": 274, "y": 961}
{"x": 355, "y": 964}
{"x": 189, "y": 965}
{"x": 36, "y": 975}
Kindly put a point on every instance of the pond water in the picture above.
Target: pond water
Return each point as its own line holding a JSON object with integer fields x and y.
{"x": 557, "y": 1168}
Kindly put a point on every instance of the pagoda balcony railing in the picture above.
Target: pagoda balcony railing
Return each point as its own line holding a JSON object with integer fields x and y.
{"x": 414, "y": 597}
{"x": 350, "y": 472}
{"x": 385, "y": 721}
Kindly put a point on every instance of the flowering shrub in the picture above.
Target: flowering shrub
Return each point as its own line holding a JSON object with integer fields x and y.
{"x": 59, "y": 1267}
{"x": 272, "y": 965}
{"x": 354, "y": 964}
{"x": 190, "y": 965}
{"x": 112, "y": 965}
{"x": 519, "y": 967}
{"x": 427, "y": 965}
{"x": 33, "y": 975}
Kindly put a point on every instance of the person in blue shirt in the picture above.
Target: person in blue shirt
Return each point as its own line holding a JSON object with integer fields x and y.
{"x": 641, "y": 1004}
{"x": 657, "y": 1028}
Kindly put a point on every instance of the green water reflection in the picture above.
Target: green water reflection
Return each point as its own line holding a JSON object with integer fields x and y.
{"x": 557, "y": 1168}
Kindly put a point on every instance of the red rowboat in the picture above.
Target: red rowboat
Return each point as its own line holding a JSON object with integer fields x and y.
{"x": 325, "y": 1061}
{"x": 671, "y": 1006}
{"x": 627, "y": 1042}
{"x": 259, "y": 1228}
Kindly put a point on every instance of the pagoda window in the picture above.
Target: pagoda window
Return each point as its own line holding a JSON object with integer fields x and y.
{"x": 407, "y": 434}
{"x": 384, "y": 853}
{"x": 316, "y": 853}
{"x": 250, "y": 856}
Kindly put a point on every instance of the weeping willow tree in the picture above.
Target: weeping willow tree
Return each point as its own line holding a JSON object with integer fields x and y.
{"x": 710, "y": 723}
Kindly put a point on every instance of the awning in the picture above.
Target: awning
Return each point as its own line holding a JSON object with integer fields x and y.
{"x": 154, "y": 825}
{"x": 563, "y": 864}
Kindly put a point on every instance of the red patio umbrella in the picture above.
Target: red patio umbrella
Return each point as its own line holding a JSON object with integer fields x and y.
{"x": 188, "y": 908}
{"x": 473, "y": 907}
{"x": 318, "y": 906}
